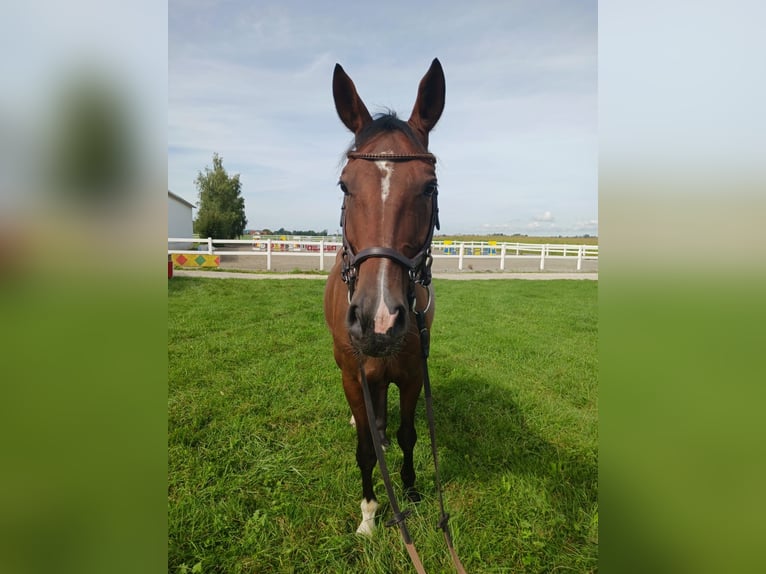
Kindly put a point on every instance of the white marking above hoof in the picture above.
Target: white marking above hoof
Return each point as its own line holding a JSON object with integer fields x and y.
{"x": 352, "y": 422}
{"x": 367, "y": 527}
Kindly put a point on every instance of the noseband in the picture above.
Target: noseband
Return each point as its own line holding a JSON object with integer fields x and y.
{"x": 419, "y": 266}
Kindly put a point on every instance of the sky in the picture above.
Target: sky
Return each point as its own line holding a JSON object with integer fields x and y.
{"x": 517, "y": 144}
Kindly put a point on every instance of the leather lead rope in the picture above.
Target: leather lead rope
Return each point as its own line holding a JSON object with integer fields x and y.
{"x": 425, "y": 344}
{"x": 399, "y": 517}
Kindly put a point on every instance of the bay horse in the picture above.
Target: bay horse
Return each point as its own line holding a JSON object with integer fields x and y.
{"x": 381, "y": 277}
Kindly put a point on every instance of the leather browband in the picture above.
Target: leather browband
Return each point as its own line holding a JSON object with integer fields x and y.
{"x": 429, "y": 157}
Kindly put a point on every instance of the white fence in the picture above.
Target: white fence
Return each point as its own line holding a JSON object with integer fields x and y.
{"x": 462, "y": 252}
{"x": 502, "y": 251}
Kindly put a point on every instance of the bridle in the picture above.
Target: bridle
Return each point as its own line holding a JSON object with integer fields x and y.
{"x": 419, "y": 266}
{"x": 419, "y": 269}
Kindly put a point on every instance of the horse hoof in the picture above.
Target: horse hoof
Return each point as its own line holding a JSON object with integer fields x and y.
{"x": 412, "y": 495}
{"x": 366, "y": 529}
{"x": 367, "y": 526}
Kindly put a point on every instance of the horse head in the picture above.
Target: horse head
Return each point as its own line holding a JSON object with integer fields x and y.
{"x": 389, "y": 211}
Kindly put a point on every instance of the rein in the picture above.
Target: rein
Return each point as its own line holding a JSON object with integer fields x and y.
{"x": 425, "y": 345}
{"x": 419, "y": 268}
{"x": 399, "y": 518}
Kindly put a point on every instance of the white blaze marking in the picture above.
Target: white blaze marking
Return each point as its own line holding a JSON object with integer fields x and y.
{"x": 384, "y": 320}
{"x": 367, "y": 527}
{"x": 386, "y": 169}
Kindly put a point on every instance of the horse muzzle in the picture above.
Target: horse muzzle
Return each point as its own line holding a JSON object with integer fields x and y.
{"x": 377, "y": 330}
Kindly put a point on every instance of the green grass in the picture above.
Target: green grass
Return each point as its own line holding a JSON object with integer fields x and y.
{"x": 261, "y": 468}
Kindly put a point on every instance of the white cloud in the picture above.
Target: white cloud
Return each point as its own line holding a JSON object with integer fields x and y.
{"x": 545, "y": 217}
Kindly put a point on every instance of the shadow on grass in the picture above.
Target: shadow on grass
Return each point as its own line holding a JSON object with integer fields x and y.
{"x": 484, "y": 436}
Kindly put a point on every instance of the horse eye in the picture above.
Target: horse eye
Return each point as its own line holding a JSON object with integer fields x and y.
{"x": 431, "y": 188}
{"x": 343, "y": 188}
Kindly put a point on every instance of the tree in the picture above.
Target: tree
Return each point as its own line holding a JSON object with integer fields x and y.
{"x": 221, "y": 207}
{"x": 91, "y": 152}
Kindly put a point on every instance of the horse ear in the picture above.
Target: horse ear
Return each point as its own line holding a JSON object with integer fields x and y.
{"x": 430, "y": 101}
{"x": 350, "y": 107}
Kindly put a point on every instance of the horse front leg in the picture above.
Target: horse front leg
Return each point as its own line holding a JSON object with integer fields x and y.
{"x": 380, "y": 401}
{"x": 365, "y": 453}
{"x": 366, "y": 460}
{"x": 407, "y": 436}
{"x": 381, "y": 413}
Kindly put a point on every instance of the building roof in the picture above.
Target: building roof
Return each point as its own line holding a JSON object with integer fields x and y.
{"x": 181, "y": 199}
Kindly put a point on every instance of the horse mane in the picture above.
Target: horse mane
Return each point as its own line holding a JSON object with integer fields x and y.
{"x": 384, "y": 123}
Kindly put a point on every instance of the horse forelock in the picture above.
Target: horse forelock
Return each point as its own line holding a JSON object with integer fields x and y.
{"x": 386, "y": 123}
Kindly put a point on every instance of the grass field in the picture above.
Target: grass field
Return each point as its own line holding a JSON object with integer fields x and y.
{"x": 261, "y": 468}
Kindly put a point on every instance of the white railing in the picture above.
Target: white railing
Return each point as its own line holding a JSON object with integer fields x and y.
{"x": 460, "y": 250}
{"x": 267, "y": 247}
{"x": 502, "y": 250}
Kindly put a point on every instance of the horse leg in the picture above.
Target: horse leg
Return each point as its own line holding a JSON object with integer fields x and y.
{"x": 365, "y": 459}
{"x": 365, "y": 454}
{"x": 408, "y": 400}
{"x": 381, "y": 415}
{"x": 380, "y": 401}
